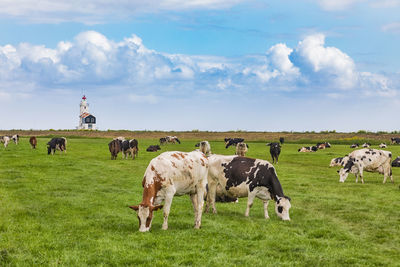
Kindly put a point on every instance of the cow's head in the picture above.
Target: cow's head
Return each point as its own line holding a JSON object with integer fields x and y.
{"x": 282, "y": 206}
{"x": 348, "y": 166}
{"x": 145, "y": 215}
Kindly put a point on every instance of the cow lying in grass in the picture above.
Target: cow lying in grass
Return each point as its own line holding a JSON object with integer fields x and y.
{"x": 170, "y": 174}
{"x": 246, "y": 177}
{"x": 308, "y": 149}
{"x": 370, "y": 160}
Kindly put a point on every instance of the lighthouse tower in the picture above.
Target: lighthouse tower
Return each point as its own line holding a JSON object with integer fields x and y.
{"x": 86, "y": 120}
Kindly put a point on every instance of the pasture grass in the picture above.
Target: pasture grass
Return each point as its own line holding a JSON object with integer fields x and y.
{"x": 72, "y": 210}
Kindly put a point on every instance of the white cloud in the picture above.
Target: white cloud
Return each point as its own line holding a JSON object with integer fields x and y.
{"x": 385, "y": 3}
{"x": 335, "y": 5}
{"x": 392, "y": 27}
{"x": 94, "y": 11}
{"x": 327, "y": 63}
{"x": 93, "y": 60}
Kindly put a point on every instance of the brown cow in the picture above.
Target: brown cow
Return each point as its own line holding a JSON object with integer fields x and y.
{"x": 115, "y": 147}
{"x": 33, "y": 142}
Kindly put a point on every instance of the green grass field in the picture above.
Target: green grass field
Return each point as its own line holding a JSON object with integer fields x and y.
{"x": 72, "y": 210}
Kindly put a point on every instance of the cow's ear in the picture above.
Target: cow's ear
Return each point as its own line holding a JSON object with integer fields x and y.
{"x": 155, "y": 208}
{"x": 277, "y": 198}
{"x": 134, "y": 207}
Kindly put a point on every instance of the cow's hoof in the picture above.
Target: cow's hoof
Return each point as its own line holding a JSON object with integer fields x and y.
{"x": 164, "y": 227}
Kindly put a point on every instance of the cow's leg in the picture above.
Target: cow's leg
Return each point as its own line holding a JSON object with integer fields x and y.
{"x": 212, "y": 191}
{"x": 201, "y": 189}
{"x": 250, "y": 199}
{"x": 360, "y": 172}
{"x": 266, "y": 209}
{"x": 167, "y": 206}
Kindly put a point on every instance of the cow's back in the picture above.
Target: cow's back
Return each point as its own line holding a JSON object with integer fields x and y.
{"x": 371, "y": 159}
{"x": 182, "y": 170}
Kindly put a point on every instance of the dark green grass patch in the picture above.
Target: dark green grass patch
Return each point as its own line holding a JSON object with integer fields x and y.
{"x": 72, "y": 209}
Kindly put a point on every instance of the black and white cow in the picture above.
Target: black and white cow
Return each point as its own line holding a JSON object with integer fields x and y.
{"x": 232, "y": 141}
{"x": 308, "y": 149}
{"x": 383, "y": 145}
{"x": 355, "y": 145}
{"x": 336, "y": 162}
{"x": 59, "y": 143}
{"x": 366, "y": 145}
{"x": 370, "y": 160}
{"x": 274, "y": 150}
{"x": 169, "y": 139}
{"x": 129, "y": 148}
{"x": 323, "y": 145}
{"x": 396, "y": 162}
{"x": 395, "y": 140}
{"x": 246, "y": 177}
{"x": 204, "y": 146}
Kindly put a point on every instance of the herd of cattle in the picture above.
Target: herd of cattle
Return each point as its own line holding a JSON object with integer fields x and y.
{"x": 204, "y": 175}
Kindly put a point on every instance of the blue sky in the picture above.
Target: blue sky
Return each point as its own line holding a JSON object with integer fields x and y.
{"x": 210, "y": 65}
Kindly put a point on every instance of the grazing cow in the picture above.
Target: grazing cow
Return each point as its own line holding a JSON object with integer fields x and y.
{"x": 274, "y": 150}
{"x": 396, "y": 162}
{"x": 169, "y": 139}
{"x": 370, "y": 160}
{"x": 383, "y": 145}
{"x": 281, "y": 140}
{"x": 59, "y": 143}
{"x": 169, "y": 174}
{"x": 115, "y": 147}
{"x": 153, "y": 148}
{"x": 33, "y": 142}
{"x": 241, "y": 149}
{"x": 232, "y": 141}
{"x": 129, "y": 148}
{"x": 246, "y": 177}
{"x": 366, "y": 145}
{"x": 5, "y": 140}
{"x": 395, "y": 140}
{"x": 15, "y": 138}
{"x": 354, "y": 145}
{"x": 308, "y": 149}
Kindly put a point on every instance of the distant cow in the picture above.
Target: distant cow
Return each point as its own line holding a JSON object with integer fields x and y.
{"x": 354, "y": 145}
{"x": 169, "y": 139}
{"x": 275, "y": 151}
{"x": 323, "y": 145}
{"x": 232, "y": 141}
{"x": 15, "y": 138}
{"x": 33, "y": 142}
{"x": 246, "y": 177}
{"x": 129, "y": 148}
{"x": 308, "y": 149}
{"x": 59, "y": 143}
{"x": 115, "y": 147}
{"x": 395, "y": 140}
{"x": 383, "y": 145}
{"x": 121, "y": 138}
{"x": 154, "y": 148}
{"x": 370, "y": 160}
{"x": 366, "y": 145}
{"x": 337, "y": 162}
{"x": 170, "y": 174}
{"x": 396, "y": 162}
{"x": 204, "y": 146}
{"x": 281, "y": 140}
{"x": 241, "y": 149}
{"x": 5, "y": 140}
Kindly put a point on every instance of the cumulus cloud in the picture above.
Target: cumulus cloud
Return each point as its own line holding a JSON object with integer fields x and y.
{"x": 129, "y": 67}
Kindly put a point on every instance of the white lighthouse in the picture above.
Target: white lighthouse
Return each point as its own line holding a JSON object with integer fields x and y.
{"x": 86, "y": 120}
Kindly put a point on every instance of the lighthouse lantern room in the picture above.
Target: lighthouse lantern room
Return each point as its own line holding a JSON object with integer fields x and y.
{"x": 86, "y": 120}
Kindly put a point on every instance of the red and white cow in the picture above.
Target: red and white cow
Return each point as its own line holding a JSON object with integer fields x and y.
{"x": 246, "y": 177}
{"x": 169, "y": 174}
